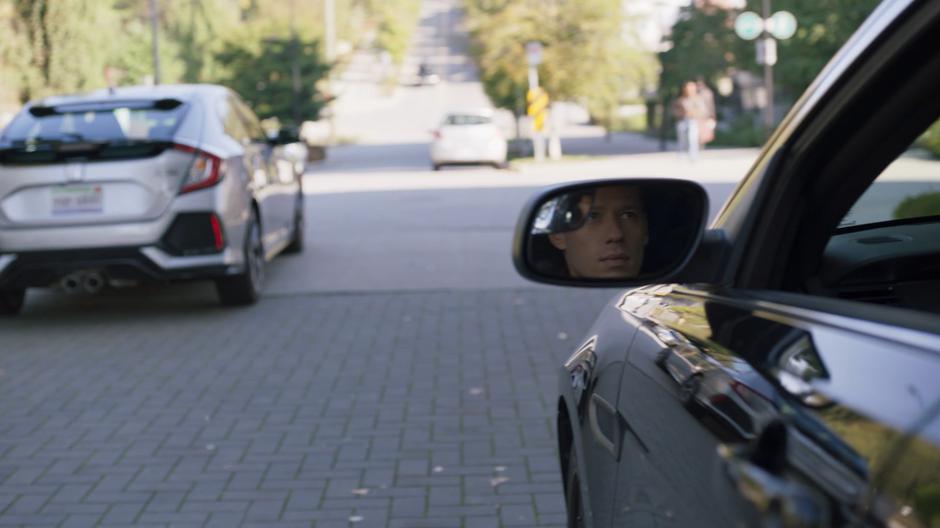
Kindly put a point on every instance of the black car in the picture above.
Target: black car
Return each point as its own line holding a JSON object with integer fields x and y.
{"x": 782, "y": 366}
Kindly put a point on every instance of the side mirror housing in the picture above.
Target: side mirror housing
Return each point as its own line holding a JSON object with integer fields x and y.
{"x": 611, "y": 233}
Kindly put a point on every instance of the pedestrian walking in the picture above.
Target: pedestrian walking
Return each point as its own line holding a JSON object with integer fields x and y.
{"x": 690, "y": 112}
{"x": 707, "y": 128}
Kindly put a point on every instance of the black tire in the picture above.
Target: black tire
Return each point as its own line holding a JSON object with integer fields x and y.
{"x": 688, "y": 389}
{"x": 436, "y": 167}
{"x": 297, "y": 238}
{"x": 573, "y": 504}
{"x": 11, "y": 301}
{"x": 245, "y": 288}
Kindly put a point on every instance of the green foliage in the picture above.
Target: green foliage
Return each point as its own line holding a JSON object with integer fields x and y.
{"x": 587, "y": 55}
{"x": 277, "y": 77}
{"x": 742, "y": 132}
{"x": 823, "y": 26}
{"x": 396, "y": 21}
{"x": 930, "y": 140}
{"x": 62, "y": 46}
{"x": 703, "y": 43}
{"x": 921, "y": 205}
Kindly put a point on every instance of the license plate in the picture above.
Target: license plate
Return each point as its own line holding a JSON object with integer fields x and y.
{"x": 77, "y": 199}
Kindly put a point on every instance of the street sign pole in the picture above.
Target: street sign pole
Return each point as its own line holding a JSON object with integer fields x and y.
{"x": 534, "y": 57}
{"x": 767, "y": 30}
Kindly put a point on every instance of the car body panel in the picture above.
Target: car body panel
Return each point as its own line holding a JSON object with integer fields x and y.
{"x": 665, "y": 445}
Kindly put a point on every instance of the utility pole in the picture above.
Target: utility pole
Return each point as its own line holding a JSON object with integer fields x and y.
{"x": 154, "y": 47}
{"x": 536, "y": 99}
{"x": 295, "y": 65}
{"x": 329, "y": 24}
{"x": 767, "y": 29}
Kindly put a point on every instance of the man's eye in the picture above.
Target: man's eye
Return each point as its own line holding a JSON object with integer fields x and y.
{"x": 593, "y": 215}
{"x": 628, "y": 215}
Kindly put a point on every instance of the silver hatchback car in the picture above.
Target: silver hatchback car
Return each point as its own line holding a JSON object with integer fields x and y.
{"x": 164, "y": 183}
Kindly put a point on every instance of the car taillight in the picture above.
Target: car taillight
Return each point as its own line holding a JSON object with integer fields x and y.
{"x": 436, "y": 134}
{"x": 206, "y": 170}
{"x": 216, "y": 232}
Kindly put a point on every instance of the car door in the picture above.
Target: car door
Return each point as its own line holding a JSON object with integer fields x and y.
{"x": 251, "y": 162}
{"x": 278, "y": 195}
{"x": 592, "y": 378}
{"x": 790, "y": 423}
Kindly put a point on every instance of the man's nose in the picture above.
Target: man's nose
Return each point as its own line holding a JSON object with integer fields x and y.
{"x": 614, "y": 230}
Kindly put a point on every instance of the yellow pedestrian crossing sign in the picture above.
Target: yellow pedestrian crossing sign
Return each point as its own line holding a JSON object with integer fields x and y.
{"x": 537, "y": 100}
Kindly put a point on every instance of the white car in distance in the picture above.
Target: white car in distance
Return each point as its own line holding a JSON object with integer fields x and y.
{"x": 468, "y": 138}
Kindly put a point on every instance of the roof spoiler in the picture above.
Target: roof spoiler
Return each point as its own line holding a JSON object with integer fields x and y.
{"x": 157, "y": 104}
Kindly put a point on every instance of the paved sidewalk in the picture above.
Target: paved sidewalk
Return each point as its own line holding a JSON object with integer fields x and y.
{"x": 429, "y": 409}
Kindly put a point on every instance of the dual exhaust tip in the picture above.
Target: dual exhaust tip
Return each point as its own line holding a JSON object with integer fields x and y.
{"x": 88, "y": 282}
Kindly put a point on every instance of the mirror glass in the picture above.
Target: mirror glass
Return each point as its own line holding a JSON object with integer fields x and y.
{"x": 618, "y": 231}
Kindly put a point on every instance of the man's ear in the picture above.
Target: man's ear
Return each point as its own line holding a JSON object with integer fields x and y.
{"x": 558, "y": 241}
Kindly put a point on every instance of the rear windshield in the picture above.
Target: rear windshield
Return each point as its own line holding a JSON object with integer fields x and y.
{"x": 466, "y": 120}
{"x": 97, "y": 122}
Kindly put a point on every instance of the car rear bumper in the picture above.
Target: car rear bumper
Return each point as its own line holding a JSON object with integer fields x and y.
{"x": 449, "y": 154}
{"x": 140, "y": 264}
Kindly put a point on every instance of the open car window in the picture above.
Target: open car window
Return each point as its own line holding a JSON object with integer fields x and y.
{"x": 909, "y": 188}
{"x": 887, "y": 247}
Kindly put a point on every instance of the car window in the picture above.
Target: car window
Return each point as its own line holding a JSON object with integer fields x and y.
{"x": 908, "y": 188}
{"x": 885, "y": 248}
{"x": 457, "y": 119}
{"x": 252, "y": 124}
{"x": 234, "y": 125}
{"x": 97, "y": 122}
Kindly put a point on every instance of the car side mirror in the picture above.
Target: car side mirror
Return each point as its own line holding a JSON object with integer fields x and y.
{"x": 610, "y": 233}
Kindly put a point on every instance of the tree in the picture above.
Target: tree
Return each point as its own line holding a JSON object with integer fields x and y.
{"x": 703, "y": 43}
{"x": 823, "y": 27}
{"x": 263, "y": 73}
{"x": 588, "y": 56}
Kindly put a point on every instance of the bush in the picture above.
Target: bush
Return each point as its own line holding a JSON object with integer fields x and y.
{"x": 742, "y": 132}
{"x": 926, "y": 204}
{"x": 930, "y": 140}
{"x": 634, "y": 123}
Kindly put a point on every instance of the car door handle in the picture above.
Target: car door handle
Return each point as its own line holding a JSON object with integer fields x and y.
{"x": 780, "y": 501}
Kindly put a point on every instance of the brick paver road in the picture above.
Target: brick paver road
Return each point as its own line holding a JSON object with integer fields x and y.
{"x": 411, "y": 409}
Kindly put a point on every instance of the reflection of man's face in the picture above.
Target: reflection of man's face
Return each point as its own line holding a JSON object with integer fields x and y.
{"x": 610, "y": 243}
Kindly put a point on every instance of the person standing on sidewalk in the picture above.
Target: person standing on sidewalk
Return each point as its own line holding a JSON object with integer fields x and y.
{"x": 689, "y": 110}
{"x": 706, "y": 131}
